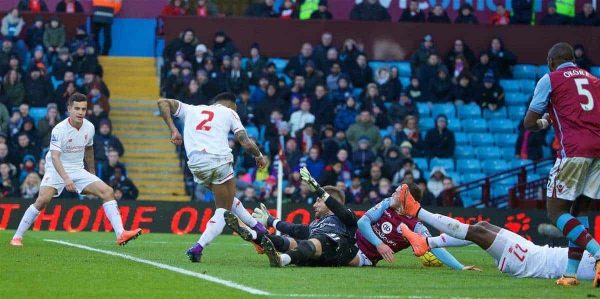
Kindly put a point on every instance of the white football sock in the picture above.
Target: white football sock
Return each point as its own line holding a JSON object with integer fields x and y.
{"x": 444, "y": 240}
{"x": 444, "y": 224}
{"x": 214, "y": 227}
{"x": 285, "y": 259}
{"x": 111, "y": 209}
{"x": 28, "y": 218}
{"x": 238, "y": 209}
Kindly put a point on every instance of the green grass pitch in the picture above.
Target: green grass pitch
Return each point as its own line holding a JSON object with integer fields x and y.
{"x": 50, "y": 270}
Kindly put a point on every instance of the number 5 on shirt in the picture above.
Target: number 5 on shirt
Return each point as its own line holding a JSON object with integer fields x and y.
{"x": 203, "y": 125}
{"x": 586, "y": 93}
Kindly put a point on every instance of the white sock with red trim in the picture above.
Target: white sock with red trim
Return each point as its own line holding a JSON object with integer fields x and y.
{"x": 28, "y": 218}
{"x": 214, "y": 227}
{"x": 111, "y": 209}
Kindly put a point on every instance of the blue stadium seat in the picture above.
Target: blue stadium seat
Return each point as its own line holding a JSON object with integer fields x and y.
{"x": 517, "y": 112}
{"x": 502, "y": 126}
{"x": 456, "y": 178}
{"x": 280, "y": 64}
{"x": 475, "y": 195}
{"x": 542, "y": 70}
{"x": 488, "y": 152}
{"x": 469, "y": 111}
{"x": 501, "y": 190}
{"x": 527, "y": 86}
{"x": 253, "y": 131}
{"x": 494, "y": 166}
{"x": 447, "y": 109}
{"x": 468, "y": 166}
{"x": 37, "y": 113}
{"x": 476, "y": 125}
{"x": 426, "y": 123}
{"x": 595, "y": 70}
{"x": 447, "y": 164}
{"x": 516, "y": 99}
{"x": 500, "y": 113}
{"x": 356, "y": 92}
{"x": 508, "y": 180}
{"x": 544, "y": 170}
{"x": 469, "y": 201}
{"x": 421, "y": 164}
{"x": 423, "y": 109}
{"x": 454, "y": 124}
{"x": 404, "y": 69}
{"x": 505, "y": 139}
{"x": 525, "y": 71}
{"x": 481, "y": 139}
{"x": 405, "y": 81}
{"x": 533, "y": 177}
{"x": 464, "y": 152}
{"x": 469, "y": 177}
{"x": 461, "y": 138}
{"x": 510, "y": 85}
{"x": 244, "y": 61}
{"x": 514, "y": 163}
{"x": 507, "y": 153}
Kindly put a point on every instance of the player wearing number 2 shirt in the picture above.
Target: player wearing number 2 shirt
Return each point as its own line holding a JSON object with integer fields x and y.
{"x": 205, "y": 137}
{"x": 571, "y": 97}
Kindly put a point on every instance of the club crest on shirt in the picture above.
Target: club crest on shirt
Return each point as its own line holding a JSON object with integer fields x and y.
{"x": 85, "y": 137}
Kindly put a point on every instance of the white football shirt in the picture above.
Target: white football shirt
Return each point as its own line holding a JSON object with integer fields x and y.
{"x": 71, "y": 144}
{"x": 206, "y": 128}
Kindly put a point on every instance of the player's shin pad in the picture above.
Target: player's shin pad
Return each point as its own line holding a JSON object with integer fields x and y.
{"x": 301, "y": 254}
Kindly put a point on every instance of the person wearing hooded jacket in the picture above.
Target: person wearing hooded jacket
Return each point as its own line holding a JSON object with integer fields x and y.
{"x": 439, "y": 141}
{"x": 436, "y": 180}
{"x": 104, "y": 141}
{"x": 364, "y": 127}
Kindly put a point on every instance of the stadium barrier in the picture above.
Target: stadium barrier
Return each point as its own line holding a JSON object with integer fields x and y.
{"x": 382, "y": 40}
{"x": 191, "y": 217}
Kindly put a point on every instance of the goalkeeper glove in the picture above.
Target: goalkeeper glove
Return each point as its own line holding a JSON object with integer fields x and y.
{"x": 262, "y": 215}
{"x": 312, "y": 183}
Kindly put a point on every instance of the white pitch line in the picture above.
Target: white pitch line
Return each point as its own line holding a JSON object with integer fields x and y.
{"x": 216, "y": 280}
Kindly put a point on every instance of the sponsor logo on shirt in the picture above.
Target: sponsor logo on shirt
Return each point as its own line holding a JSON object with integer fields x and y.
{"x": 54, "y": 138}
{"x": 386, "y": 227}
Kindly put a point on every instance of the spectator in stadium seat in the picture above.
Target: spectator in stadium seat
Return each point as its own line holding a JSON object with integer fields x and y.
{"x": 322, "y": 13}
{"x": 54, "y": 36}
{"x": 521, "y": 13}
{"x": 82, "y": 38}
{"x": 256, "y": 64}
{"x": 438, "y": 15}
{"x": 9, "y": 183}
{"x": 185, "y": 43}
{"x": 439, "y": 141}
{"x": 342, "y": 91}
{"x": 422, "y": 55}
{"x": 46, "y": 124}
{"x": 292, "y": 152}
{"x": 364, "y": 127}
{"x": 29, "y": 128}
{"x": 414, "y": 91}
{"x": 4, "y": 118}
{"x": 312, "y": 76}
{"x": 408, "y": 167}
{"x": 369, "y": 10}
{"x": 482, "y": 68}
{"x": 440, "y": 86}
{"x": 223, "y": 46}
{"x": 362, "y": 157}
{"x": 322, "y": 107}
{"x": 460, "y": 49}
{"x": 30, "y": 186}
{"x": 33, "y": 5}
{"x": 288, "y": 10}
{"x": 360, "y": 71}
{"x": 297, "y": 63}
{"x": 465, "y": 15}
{"x": 373, "y": 102}
{"x": 501, "y": 60}
{"x": 90, "y": 79}
{"x": 38, "y": 59}
{"x": 335, "y": 74}
{"x": 501, "y": 17}
{"x": 314, "y": 163}
{"x": 199, "y": 57}
{"x": 581, "y": 58}
{"x": 119, "y": 181}
{"x": 237, "y": 79}
{"x": 6, "y": 155}
{"x": 14, "y": 124}
{"x": 105, "y": 142}
{"x": 427, "y": 198}
{"x": 62, "y": 64}
{"x": 346, "y": 115}
{"x": 413, "y": 13}
{"x": 25, "y": 147}
{"x": 203, "y": 8}
{"x": 529, "y": 145}
{"x": 401, "y": 109}
{"x": 69, "y": 6}
{"x": 35, "y": 33}
{"x": 383, "y": 191}
{"x": 332, "y": 174}
{"x": 392, "y": 161}
{"x": 95, "y": 97}
{"x": 263, "y": 9}
{"x": 303, "y": 195}
{"x": 436, "y": 180}
{"x": 98, "y": 114}
{"x": 411, "y": 133}
{"x": 107, "y": 168}
{"x": 553, "y": 18}
{"x": 429, "y": 71}
{"x": 329, "y": 146}
{"x": 193, "y": 95}
{"x": 174, "y": 8}
{"x": 449, "y": 197}
{"x": 244, "y": 109}
{"x": 463, "y": 91}
{"x": 14, "y": 88}
{"x": 491, "y": 95}
{"x": 331, "y": 57}
{"x": 38, "y": 89}
{"x": 11, "y": 29}
{"x": 350, "y": 51}
{"x": 301, "y": 117}
{"x": 355, "y": 194}
{"x": 7, "y": 52}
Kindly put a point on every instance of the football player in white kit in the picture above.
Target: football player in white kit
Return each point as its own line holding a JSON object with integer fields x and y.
{"x": 72, "y": 143}
{"x": 205, "y": 137}
{"x": 514, "y": 254}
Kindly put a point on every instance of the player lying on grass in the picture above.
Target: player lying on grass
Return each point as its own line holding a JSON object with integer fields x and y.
{"x": 205, "y": 137}
{"x": 327, "y": 241}
{"x": 379, "y": 236}
{"x": 514, "y": 254}
{"x": 70, "y": 145}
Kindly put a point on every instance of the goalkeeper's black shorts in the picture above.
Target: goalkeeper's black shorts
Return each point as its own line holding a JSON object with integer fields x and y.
{"x": 337, "y": 250}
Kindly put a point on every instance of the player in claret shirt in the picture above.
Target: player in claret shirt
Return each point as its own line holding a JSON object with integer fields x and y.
{"x": 70, "y": 145}
{"x": 571, "y": 96}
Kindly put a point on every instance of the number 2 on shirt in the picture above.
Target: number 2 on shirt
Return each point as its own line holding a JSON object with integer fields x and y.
{"x": 203, "y": 125}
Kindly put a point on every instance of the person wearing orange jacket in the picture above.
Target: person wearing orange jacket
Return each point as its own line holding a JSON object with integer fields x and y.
{"x": 103, "y": 12}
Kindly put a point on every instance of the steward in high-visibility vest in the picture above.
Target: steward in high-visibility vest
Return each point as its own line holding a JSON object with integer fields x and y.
{"x": 565, "y": 8}
{"x": 103, "y": 13}
{"x": 307, "y": 8}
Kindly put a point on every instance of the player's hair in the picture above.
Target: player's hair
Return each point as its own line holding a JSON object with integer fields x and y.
{"x": 336, "y": 193}
{"x": 561, "y": 53}
{"x": 225, "y": 96}
{"x": 77, "y": 97}
{"x": 415, "y": 191}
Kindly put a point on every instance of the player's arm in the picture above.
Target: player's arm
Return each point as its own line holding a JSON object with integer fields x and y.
{"x": 442, "y": 254}
{"x": 365, "y": 228}
{"x": 88, "y": 157}
{"x": 297, "y": 231}
{"x": 535, "y": 119}
{"x": 167, "y": 108}
{"x": 251, "y": 147}
{"x": 60, "y": 169}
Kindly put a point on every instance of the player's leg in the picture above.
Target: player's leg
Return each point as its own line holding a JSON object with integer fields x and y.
{"x": 304, "y": 252}
{"x": 579, "y": 209}
{"x": 238, "y": 209}
{"x": 43, "y": 199}
{"x": 591, "y": 190}
{"x": 444, "y": 240}
{"x": 255, "y": 231}
{"x": 111, "y": 209}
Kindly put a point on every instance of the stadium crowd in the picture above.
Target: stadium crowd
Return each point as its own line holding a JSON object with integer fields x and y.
{"x": 363, "y": 142}
{"x": 40, "y": 68}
